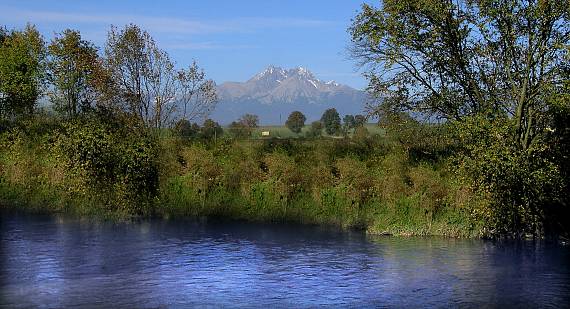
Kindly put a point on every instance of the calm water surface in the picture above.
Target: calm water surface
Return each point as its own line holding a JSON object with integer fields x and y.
{"x": 60, "y": 262}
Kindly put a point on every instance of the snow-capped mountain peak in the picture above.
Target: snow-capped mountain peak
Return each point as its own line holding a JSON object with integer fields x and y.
{"x": 275, "y": 75}
{"x": 332, "y": 83}
{"x": 275, "y": 91}
{"x": 301, "y": 72}
{"x": 271, "y": 72}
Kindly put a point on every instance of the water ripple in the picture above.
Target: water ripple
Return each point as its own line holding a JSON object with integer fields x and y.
{"x": 59, "y": 262}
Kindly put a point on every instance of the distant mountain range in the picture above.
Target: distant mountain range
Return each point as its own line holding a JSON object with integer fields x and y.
{"x": 274, "y": 93}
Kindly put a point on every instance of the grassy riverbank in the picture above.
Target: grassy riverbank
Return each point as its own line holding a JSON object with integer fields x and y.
{"x": 461, "y": 149}
{"x": 368, "y": 182}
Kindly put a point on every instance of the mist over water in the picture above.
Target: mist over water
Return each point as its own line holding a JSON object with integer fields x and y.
{"x": 61, "y": 262}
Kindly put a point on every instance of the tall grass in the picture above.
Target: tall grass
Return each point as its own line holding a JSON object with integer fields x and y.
{"x": 318, "y": 182}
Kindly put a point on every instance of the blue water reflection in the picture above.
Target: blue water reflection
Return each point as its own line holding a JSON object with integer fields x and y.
{"x": 61, "y": 262}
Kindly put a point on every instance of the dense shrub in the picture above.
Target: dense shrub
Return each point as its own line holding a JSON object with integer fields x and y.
{"x": 520, "y": 187}
{"x": 354, "y": 176}
{"x": 284, "y": 174}
{"x": 115, "y": 163}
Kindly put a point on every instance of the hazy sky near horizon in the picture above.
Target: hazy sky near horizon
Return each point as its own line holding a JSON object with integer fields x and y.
{"x": 231, "y": 40}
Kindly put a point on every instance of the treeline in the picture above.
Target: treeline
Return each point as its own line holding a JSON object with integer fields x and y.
{"x": 244, "y": 126}
{"x": 131, "y": 76}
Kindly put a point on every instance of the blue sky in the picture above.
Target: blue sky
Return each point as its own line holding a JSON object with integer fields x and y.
{"x": 231, "y": 40}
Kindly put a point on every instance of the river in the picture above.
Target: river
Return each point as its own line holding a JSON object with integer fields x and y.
{"x": 55, "y": 261}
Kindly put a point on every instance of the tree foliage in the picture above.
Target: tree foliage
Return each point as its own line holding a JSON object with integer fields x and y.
{"x": 113, "y": 160}
{"x": 72, "y": 65}
{"x": 249, "y": 120}
{"x": 22, "y": 71}
{"x": 239, "y": 130}
{"x": 296, "y": 121}
{"x": 360, "y": 120}
{"x": 331, "y": 121}
{"x": 525, "y": 191}
{"x": 454, "y": 59}
{"x": 144, "y": 74}
{"x": 184, "y": 128}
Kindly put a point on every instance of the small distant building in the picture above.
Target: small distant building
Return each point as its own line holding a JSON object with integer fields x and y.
{"x": 264, "y": 133}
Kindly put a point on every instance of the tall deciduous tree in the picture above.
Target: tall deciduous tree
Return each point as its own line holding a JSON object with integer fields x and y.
{"x": 459, "y": 58}
{"x": 249, "y": 120}
{"x": 126, "y": 53}
{"x": 72, "y": 65}
{"x": 197, "y": 94}
{"x": 331, "y": 121}
{"x": 162, "y": 88}
{"x": 150, "y": 86}
{"x": 244, "y": 126}
{"x": 349, "y": 121}
{"x": 143, "y": 74}
{"x": 22, "y": 71}
{"x": 296, "y": 122}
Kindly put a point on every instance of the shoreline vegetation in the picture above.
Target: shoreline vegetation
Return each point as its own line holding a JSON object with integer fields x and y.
{"x": 89, "y": 168}
{"x": 472, "y": 141}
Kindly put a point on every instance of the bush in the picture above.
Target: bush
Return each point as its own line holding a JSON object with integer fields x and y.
{"x": 115, "y": 163}
{"x": 285, "y": 175}
{"x": 520, "y": 187}
{"x": 316, "y": 129}
{"x": 355, "y": 177}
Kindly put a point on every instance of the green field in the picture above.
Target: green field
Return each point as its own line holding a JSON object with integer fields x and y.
{"x": 284, "y": 132}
